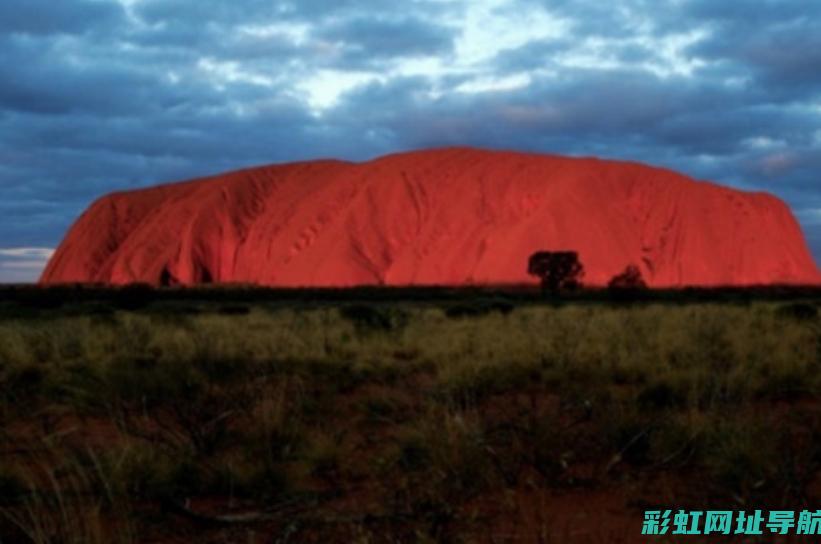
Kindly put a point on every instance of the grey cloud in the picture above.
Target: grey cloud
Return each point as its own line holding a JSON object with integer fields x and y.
{"x": 776, "y": 43}
{"x": 788, "y": 57}
{"x": 193, "y": 12}
{"x": 58, "y": 17}
{"x": 266, "y": 12}
{"x": 751, "y": 13}
{"x": 621, "y": 20}
{"x": 375, "y": 38}
{"x": 22, "y": 264}
{"x": 39, "y": 77}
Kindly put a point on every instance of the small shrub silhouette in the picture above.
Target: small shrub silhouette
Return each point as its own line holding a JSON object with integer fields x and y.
{"x": 133, "y": 296}
{"x": 374, "y": 318}
{"x": 800, "y": 311}
{"x": 234, "y": 309}
{"x": 558, "y": 270}
{"x": 629, "y": 279}
{"x": 480, "y": 307}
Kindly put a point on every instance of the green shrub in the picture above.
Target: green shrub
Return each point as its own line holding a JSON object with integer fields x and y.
{"x": 480, "y": 307}
{"x": 370, "y": 318}
{"x": 800, "y": 311}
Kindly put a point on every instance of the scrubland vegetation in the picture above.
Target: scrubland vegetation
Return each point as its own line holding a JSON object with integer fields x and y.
{"x": 482, "y": 421}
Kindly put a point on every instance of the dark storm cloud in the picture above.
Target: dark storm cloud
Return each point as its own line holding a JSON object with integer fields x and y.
{"x": 39, "y": 77}
{"x": 377, "y": 38}
{"x": 193, "y": 12}
{"x": 750, "y": 13}
{"x": 659, "y": 114}
{"x": 200, "y": 12}
{"x": 788, "y": 58}
{"x": 758, "y": 84}
{"x": 96, "y": 97}
{"x": 64, "y": 17}
{"x": 179, "y": 43}
{"x": 362, "y": 33}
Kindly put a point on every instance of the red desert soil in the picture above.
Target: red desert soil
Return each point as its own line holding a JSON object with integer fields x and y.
{"x": 446, "y": 216}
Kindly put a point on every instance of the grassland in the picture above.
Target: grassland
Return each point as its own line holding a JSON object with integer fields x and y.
{"x": 479, "y": 417}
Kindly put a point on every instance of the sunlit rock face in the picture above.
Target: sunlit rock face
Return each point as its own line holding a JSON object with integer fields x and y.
{"x": 446, "y": 217}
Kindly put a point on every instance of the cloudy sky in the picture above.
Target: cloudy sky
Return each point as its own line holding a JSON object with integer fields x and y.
{"x": 101, "y": 95}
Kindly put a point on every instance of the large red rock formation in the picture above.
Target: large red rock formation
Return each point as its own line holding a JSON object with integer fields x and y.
{"x": 445, "y": 216}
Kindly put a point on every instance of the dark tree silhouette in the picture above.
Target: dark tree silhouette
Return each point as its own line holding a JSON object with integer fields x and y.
{"x": 557, "y": 269}
{"x": 167, "y": 279}
{"x": 629, "y": 279}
